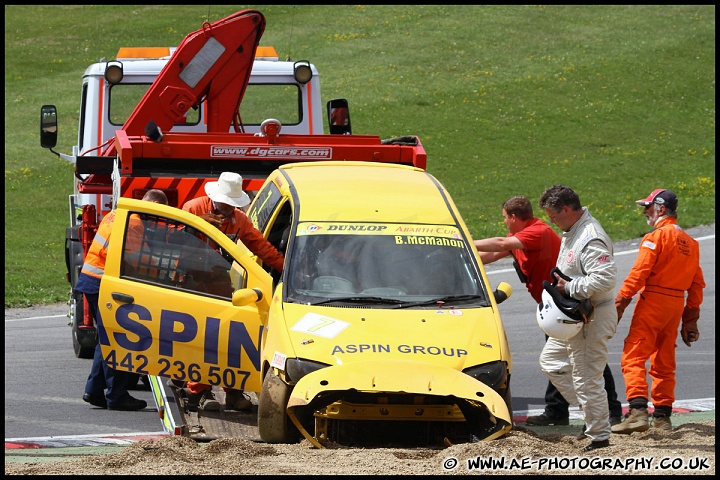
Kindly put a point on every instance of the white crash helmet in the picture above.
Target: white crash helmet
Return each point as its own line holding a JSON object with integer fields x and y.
{"x": 561, "y": 317}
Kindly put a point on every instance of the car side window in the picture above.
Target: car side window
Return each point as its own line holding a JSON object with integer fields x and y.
{"x": 168, "y": 253}
{"x": 263, "y": 206}
{"x": 279, "y": 233}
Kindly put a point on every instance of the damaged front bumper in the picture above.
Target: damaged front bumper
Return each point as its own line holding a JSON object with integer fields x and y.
{"x": 396, "y": 392}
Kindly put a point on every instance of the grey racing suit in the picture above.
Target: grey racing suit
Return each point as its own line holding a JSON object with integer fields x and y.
{"x": 576, "y": 366}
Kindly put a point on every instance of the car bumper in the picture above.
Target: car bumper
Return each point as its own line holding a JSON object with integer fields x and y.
{"x": 459, "y": 396}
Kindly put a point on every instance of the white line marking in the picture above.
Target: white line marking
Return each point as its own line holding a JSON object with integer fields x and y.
{"x": 34, "y": 318}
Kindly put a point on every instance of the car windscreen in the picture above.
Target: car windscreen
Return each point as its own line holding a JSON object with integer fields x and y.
{"x": 382, "y": 265}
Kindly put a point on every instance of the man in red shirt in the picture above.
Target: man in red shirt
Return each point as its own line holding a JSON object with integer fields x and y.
{"x": 222, "y": 209}
{"x": 534, "y": 246}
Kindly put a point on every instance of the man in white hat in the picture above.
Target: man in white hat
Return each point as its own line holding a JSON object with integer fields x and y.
{"x": 222, "y": 209}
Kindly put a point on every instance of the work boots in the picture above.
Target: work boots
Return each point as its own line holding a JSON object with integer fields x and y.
{"x": 208, "y": 402}
{"x": 662, "y": 423}
{"x": 236, "y": 400}
{"x": 637, "y": 421}
{"x": 544, "y": 420}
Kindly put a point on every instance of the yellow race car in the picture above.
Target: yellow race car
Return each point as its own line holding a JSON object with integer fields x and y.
{"x": 382, "y": 327}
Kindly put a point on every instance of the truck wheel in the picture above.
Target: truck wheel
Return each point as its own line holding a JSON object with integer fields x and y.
{"x": 84, "y": 340}
{"x": 274, "y": 424}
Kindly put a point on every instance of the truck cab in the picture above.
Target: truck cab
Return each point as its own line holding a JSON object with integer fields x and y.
{"x": 284, "y": 90}
{"x": 276, "y": 89}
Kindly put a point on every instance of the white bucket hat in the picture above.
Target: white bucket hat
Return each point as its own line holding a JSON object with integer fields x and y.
{"x": 228, "y": 189}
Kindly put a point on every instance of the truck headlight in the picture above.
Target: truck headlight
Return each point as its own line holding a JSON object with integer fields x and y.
{"x": 302, "y": 71}
{"x": 114, "y": 72}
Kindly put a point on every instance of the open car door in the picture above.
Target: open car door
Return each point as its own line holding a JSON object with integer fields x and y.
{"x": 179, "y": 299}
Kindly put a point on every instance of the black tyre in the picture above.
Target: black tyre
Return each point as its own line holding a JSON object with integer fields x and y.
{"x": 84, "y": 339}
{"x": 274, "y": 424}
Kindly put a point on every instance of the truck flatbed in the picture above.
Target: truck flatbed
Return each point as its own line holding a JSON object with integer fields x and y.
{"x": 179, "y": 418}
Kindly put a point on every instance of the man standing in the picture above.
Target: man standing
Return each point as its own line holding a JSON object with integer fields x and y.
{"x": 102, "y": 376}
{"x": 535, "y": 246}
{"x": 667, "y": 266}
{"x": 575, "y": 366}
{"x": 222, "y": 209}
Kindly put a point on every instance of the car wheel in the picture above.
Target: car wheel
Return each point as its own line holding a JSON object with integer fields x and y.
{"x": 84, "y": 340}
{"x": 273, "y": 423}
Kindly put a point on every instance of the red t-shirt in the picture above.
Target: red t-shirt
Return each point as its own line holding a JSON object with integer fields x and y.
{"x": 538, "y": 258}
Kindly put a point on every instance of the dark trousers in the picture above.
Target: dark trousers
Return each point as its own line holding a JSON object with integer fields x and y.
{"x": 101, "y": 376}
{"x": 557, "y": 407}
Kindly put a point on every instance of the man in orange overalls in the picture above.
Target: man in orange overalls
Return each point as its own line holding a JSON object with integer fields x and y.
{"x": 667, "y": 266}
{"x": 222, "y": 209}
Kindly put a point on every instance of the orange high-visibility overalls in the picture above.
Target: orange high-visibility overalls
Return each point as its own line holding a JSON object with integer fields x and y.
{"x": 241, "y": 225}
{"x": 667, "y": 266}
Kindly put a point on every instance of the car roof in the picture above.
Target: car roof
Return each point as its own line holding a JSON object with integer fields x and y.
{"x": 367, "y": 192}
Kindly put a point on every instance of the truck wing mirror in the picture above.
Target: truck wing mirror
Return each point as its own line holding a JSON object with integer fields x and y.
{"x": 48, "y": 126}
{"x": 339, "y": 117}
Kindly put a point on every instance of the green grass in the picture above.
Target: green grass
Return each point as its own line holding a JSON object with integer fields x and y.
{"x": 613, "y": 101}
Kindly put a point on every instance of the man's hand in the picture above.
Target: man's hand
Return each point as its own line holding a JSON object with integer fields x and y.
{"x": 689, "y": 331}
{"x": 212, "y": 219}
{"x": 621, "y": 304}
{"x": 560, "y": 284}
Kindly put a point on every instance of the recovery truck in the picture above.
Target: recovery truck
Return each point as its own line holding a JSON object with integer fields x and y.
{"x": 196, "y": 87}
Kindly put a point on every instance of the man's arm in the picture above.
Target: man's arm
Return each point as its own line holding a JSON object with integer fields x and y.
{"x": 197, "y": 207}
{"x": 695, "y": 292}
{"x": 258, "y": 244}
{"x": 498, "y": 244}
{"x": 490, "y": 257}
{"x": 641, "y": 269}
{"x": 600, "y": 272}
{"x": 495, "y": 248}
